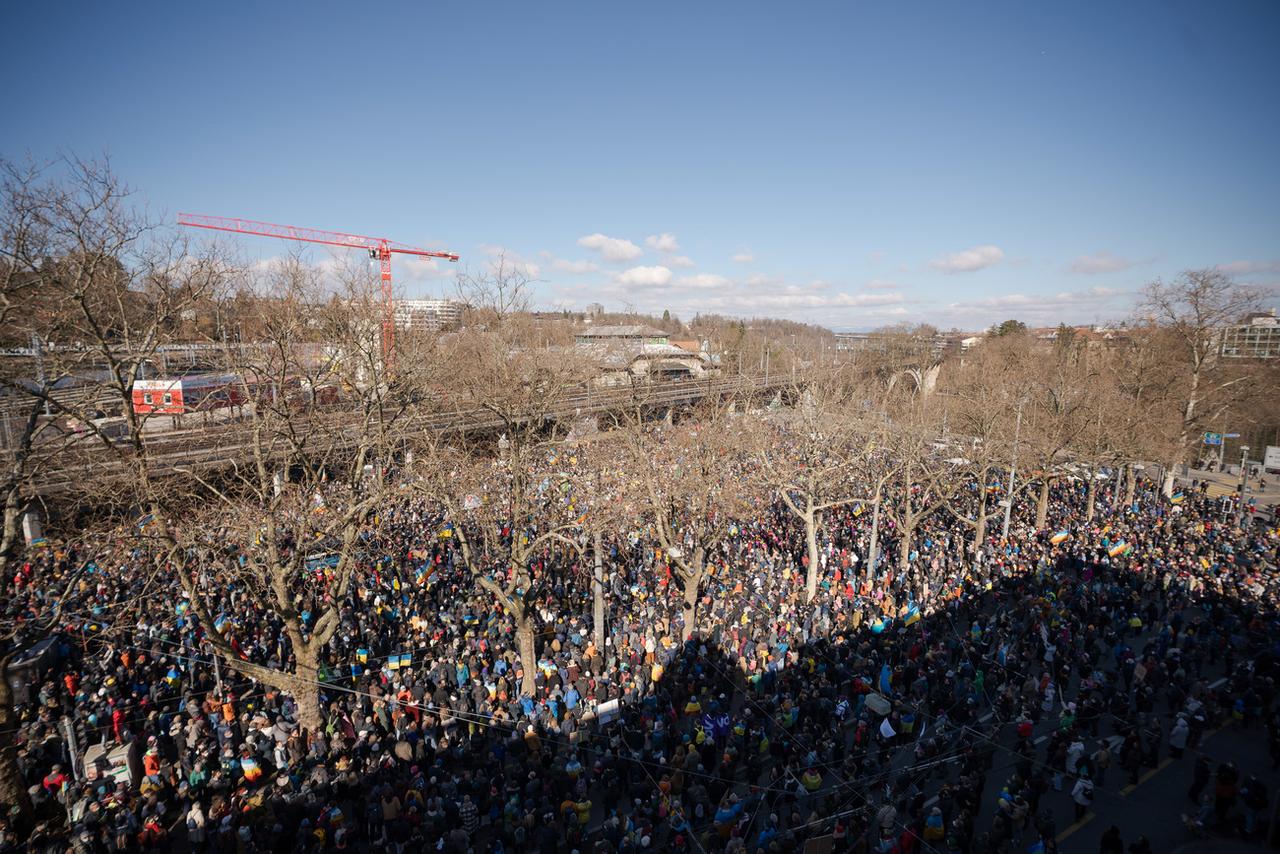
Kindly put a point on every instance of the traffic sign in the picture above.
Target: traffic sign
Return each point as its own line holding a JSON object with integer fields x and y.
{"x": 1213, "y": 438}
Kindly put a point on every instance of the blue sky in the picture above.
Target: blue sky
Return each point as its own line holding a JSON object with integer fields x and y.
{"x": 851, "y": 164}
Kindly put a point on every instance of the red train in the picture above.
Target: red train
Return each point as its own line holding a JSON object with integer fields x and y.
{"x": 207, "y": 392}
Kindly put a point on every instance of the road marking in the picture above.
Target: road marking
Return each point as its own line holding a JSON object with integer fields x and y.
{"x": 1088, "y": 817}
{"x": 1164, "y": 763}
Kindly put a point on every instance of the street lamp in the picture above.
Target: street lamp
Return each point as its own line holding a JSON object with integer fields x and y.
{"x": 1244, "y": 483}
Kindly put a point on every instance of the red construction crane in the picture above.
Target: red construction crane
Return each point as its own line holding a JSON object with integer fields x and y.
{"x": 378, "y": 247}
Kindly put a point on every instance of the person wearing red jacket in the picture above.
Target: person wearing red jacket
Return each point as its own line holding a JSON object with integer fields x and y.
{"x": 54, "y": 780}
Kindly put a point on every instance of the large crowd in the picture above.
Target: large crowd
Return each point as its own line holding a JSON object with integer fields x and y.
{"x": 878, "y": 715}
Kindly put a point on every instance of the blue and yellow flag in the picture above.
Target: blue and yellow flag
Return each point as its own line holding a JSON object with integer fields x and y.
{"x": 886, "y": 679}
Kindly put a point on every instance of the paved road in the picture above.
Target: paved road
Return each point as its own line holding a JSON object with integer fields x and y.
{"x": 1225, "y": 483}
{"x": 1154, "y": 806}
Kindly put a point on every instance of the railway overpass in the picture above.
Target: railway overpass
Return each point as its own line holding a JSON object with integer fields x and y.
{"x": 211, "y": 447}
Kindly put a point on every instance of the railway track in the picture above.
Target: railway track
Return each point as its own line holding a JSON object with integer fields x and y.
{"x": 230, "y": 443}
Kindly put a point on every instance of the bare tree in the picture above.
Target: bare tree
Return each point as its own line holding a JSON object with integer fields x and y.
{"x": 601, "y": 485}
{"x": 94, "y": 291}
{"x": 695, "y": 480}
{"x": 924, "y": 481}
{"x": 1057, "y": 414}
{"x": 496, "y": 293}
{"x": 501, "y": 385}
{"x": 809, "y": 457}
{"x": 982, "y": 399}
{"x": 297, "y": 486}
{"x": 1191, "y": 313}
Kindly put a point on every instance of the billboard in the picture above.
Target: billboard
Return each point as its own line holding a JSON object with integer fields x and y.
{"x": 1271, "y": 462}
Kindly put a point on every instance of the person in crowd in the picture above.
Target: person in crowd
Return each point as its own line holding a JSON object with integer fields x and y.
{"x": 876, "y": 713}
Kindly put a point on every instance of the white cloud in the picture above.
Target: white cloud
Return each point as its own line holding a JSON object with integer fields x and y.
{"x": 1039, "y": 304}
{"x": 970, "y": 260}
{"x": 1245, "y": 268}
{"x": 503, "y": 260}
{"x": 703, "y": 280}
{"x": 1100, "y": 262}
{"x": 665, "y": 242}
{"x": 644, "y": 277}
{"x": 881, "y": 285}
{"x": 666, "y": 245}
{"x": 1090, "y": 295}
{"x": 654, "y": 288}
{"x": 744, "y": 256}
{"x": 611, "y": 248}
{"x": 563, "y": 265}
{"x": 791, "y": 300}
{"x": 420, "y": 269}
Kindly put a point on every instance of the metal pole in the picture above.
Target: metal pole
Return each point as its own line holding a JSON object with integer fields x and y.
{"x": 1244, "y": 484}
{"x": 598, "y": 583}
{"x": 1013, "y": 467}
{"x": 217, "y": 675}
{"x": 39, "y": 353}
{"x": 73, "y": 749}
{"x": 875, "y": 538}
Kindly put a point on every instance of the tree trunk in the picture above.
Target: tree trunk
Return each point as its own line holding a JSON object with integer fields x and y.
{"x": 692, "y": 590}
{"x": 9, "y": 537}
{"x": 1167, "y": 486}
{"x": 1091, "y": 497}
{"x": 904, "y": 549}
{"x": 1189, "y": 413}
{"x": 811, "y": 544}
{"x": 306, "y": 691}
{"x": 1042, "y": 505}
{"x": 528, "y": 653}
{"x": 1130, "y": 481}
{"x": 980, "y": 530}
{"x": 13, "y": 790}
{"x": 597, "y": 593}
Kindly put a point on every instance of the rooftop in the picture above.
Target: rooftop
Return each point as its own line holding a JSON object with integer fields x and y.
{"x": 620, "y": 354}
